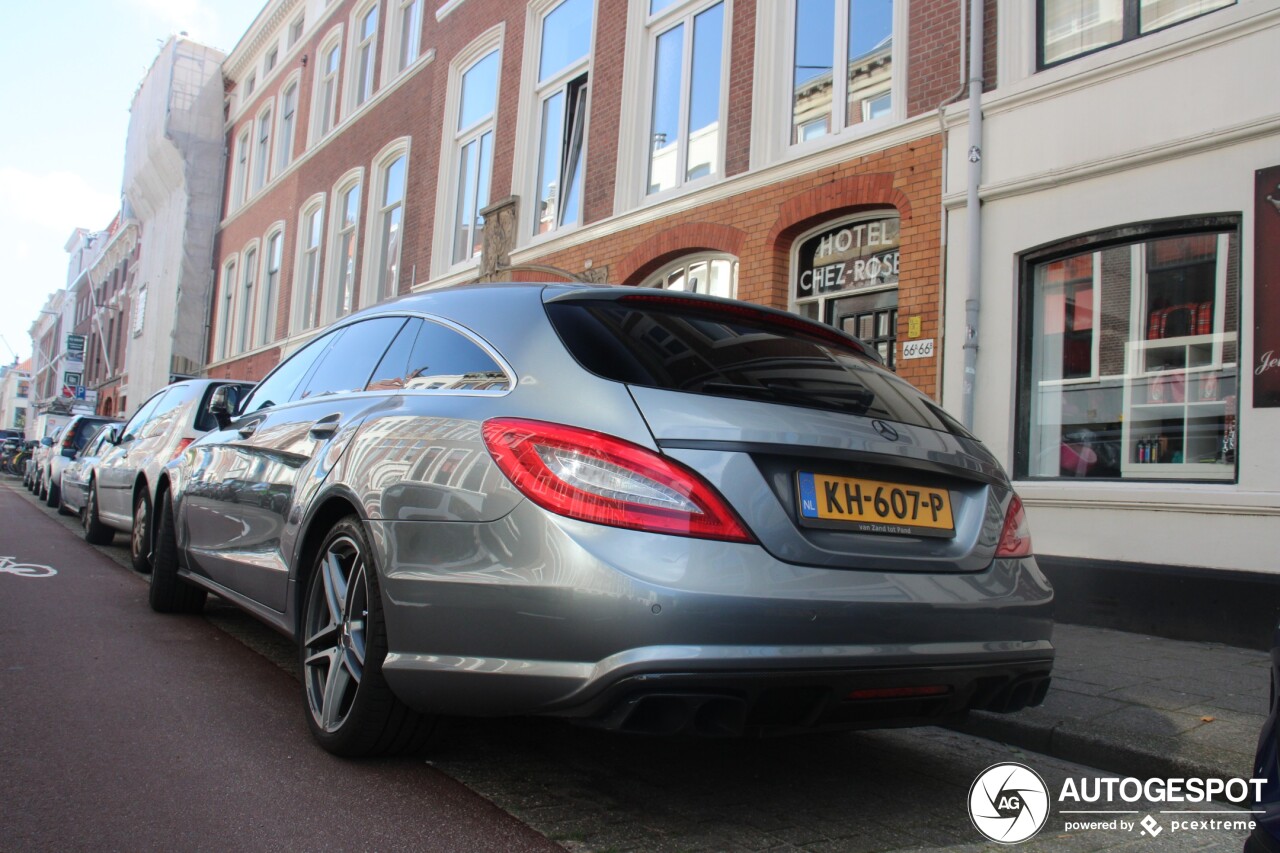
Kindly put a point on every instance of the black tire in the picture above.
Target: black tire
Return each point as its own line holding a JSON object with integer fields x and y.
{"x": 95, "y": 532}
{"x": 343, "y": 642}
{"x": 170, "y": 593}
{"x": 53, "y": 495}
{"x": 42, "y": 489}
{"x": 140, "y": 535}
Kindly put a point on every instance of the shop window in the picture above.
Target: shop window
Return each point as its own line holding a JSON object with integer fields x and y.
{"x": 1130, "y": 356}
{"x": 846, "y": 275}
{"x": 1072, "y": 28}
{"x": 714, "y": 274}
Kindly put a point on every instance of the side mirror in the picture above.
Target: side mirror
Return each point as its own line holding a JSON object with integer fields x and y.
{"x": 46, "y": 442}
{"x": 224, "y": 404}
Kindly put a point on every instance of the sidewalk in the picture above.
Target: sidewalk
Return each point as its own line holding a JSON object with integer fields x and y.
{"x": 1143, "y": 706}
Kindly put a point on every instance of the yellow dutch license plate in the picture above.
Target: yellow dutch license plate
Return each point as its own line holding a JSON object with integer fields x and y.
{"x": 874, "y": 506}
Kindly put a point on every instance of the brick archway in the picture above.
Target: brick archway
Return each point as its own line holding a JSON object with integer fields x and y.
{"x": 847, "y": 195}
{"x": 676, "y": 241}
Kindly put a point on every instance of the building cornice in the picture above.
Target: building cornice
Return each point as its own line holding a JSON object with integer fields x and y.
{"x": 255, "y": 39}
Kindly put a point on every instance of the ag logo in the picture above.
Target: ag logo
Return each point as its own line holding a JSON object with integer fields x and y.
{"x": 1008, "y": 803}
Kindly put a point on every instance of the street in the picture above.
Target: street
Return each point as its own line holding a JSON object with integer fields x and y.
{"x": 123, "y": 729}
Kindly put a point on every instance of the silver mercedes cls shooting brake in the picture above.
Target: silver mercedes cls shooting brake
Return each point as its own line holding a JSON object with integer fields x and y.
{"x": 645, "y": 511}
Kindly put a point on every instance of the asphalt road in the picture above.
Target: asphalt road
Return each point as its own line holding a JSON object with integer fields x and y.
{"x": 124, "y": 730}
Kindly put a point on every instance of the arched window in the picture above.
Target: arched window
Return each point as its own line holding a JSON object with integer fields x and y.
{"x": 712, "y": 273}
{"x": 344, "y": 243}
{"x": 306, "y": 277}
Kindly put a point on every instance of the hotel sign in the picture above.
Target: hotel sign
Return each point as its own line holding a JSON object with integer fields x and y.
{"x": 854, "y": 256}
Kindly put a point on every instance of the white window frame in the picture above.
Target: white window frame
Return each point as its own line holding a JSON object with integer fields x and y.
{"x": 352, "y": 179}
{"x": 261, "y": 157}
{"x": 285, "y": 146}
{"x": 267, "y": 309}
{"x": 316, "y": 131}
{"x": 357, "y": 47}
{"x": 299, "y": 322}
{"x": 631, "y": 190}
{"x": 658, "y": 278}
{"x": 247, "y": 298}
{"x": 525, "y": 169}
{"x": 375, "y": 211}
{"x": 772, "y": 89}
{"x": 240, "y": 167}
{"x": 296, "y": 28}
{"x": 226, "y": 310}
{"x": 395, "y": 29}
{"x": 451, "y": 144}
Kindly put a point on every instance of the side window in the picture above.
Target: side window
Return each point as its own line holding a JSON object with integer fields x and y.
{"x": 136, "y": 422}
{"x": 162, "y": 419}
{"x": 390, "y": 373}
{"x": 349, "y": 363}
{"x": 279, "y": 386}
{"x": 443, "y": 358}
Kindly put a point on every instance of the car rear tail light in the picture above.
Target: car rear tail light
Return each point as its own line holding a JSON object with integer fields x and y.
{"x": 594, "y": 477}
{"x": 182, "y": 445}
{"x": 1015, "y": 538}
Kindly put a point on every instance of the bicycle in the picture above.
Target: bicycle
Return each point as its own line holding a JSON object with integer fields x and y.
{"x": 25, "y": 570}
{"x": 16, "y": 463}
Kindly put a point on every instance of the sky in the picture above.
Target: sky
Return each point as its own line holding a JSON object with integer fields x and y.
{"x": 68, "y": 73}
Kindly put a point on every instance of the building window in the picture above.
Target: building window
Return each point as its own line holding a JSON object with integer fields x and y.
{"x": 1129, "y": 366}
{"x": 250, "y": 84}
{"x": 388, "y": 224}
{"x": 270, "y": 295}
{"x": 342, "y": 260}
{"x": 295, "y": 31}
{"x": 325, "y": 104}
{"x": 713, "y": 274}
{"x": 563, "y": 53}
{"x": 861, "y": 33}
{"x": 140, "y": 311}
{"x": 684, "y": 138}
{"x": 473, "y": 144}
{"x": 407, "y": 34}
{"x": 262, "y": 150}
{"x": 244, "y": 329}
{"x": 363, "y": 53}
{"x": 845, "y": 274}
{"x": 240, "y": 178}
{"x": 226, "y": 316}
{"x": 288, "y": 124}
{"x": 307, "y": 276}
{"x": 1072, "y": 28}
{"x": 272, "y": 56}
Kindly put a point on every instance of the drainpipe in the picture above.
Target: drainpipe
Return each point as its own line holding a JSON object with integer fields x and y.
{"x": 973, "y": 211}
{"x": 943, "y": 214}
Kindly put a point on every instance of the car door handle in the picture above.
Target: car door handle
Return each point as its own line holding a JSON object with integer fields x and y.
{"x": 325, "y": 427}
{"x": 248, "y": 429}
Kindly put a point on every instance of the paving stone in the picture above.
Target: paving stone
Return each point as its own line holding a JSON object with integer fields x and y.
{"x": 1156, "y": 697}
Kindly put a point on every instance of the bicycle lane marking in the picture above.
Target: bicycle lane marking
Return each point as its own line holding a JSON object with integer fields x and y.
{"x": 25, "y": 570}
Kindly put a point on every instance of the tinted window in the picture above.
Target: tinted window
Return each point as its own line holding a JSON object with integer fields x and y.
{"x": 349, "y": 362}
{"x": 279, "y": 386}
{"x": 705, "y": 349}
{"x": 85, "y": 429}
{"x": 390, "y": 373}
{"x": 136, "y": 422}
{"x": 445, "y": 359}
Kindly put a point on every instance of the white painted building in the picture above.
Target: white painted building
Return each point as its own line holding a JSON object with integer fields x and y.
{"x": 15, "y": 385}
{"x": 1120, "y": 376}
{"x": 172, "y": 190}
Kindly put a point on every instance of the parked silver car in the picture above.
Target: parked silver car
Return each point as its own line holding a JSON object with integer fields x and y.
{"x": 121, "y": 490}
{"x": 39, "y": 459}
{"x": 646, "y": 511}
{"x": 74, "y": 485}
{"x": 73, "y": 437}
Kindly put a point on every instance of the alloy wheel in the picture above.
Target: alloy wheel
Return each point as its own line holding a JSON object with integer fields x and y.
{"x": 335, "y": 637}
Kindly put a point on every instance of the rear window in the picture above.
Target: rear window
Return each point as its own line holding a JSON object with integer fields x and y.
{"x": 84, "y": 429}
{"x": 698, "y": 349}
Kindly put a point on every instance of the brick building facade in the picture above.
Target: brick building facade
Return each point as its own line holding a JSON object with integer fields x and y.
{"x": 353, "y": 131}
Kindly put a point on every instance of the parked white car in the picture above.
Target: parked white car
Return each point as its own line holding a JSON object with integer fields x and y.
{"x": 121, "y": 492}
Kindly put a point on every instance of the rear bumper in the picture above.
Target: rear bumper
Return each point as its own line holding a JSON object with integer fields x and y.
{"x": 642, "y": 632}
